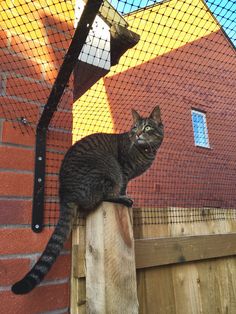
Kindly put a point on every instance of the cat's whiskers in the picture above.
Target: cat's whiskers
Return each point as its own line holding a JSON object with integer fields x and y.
{"x": 131, "y": 146}
{"x": 151, "y": 148}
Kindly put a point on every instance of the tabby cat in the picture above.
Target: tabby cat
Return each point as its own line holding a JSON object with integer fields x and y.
{"x": 97, "y": 168}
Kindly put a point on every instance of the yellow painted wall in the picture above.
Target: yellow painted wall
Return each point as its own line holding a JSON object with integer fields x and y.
{"x": 166, "y": 27}
{"x": 163, "y": 28}
{"x": 23, "y": 16}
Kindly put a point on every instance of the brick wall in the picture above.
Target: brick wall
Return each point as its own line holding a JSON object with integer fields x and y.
{"x": 30, "y": 59}
{"x": 20, "y": 247}
{"x": 198, "y": 75}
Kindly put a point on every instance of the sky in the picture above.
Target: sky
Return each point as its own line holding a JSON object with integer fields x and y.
{"x": 223, "y": 10}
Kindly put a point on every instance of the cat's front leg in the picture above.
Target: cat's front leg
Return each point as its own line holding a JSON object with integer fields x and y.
{"x": 123, "y": 189}
{"x": 120, "y": 196}
{"x": 125, "y": 181}
{"x": 122, "y": 199}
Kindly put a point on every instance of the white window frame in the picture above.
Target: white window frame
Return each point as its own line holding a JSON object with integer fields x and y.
{"x": 204, "y": 132}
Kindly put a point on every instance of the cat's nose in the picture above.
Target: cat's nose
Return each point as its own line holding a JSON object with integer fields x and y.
{"x": 139, "y": 136}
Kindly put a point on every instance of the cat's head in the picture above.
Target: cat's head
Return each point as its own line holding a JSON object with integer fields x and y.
{"x": 147, "y": 132}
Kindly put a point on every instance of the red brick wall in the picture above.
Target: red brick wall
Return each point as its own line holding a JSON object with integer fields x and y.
{"x": 24, "y": 88}
{"x": 198, "y": 75}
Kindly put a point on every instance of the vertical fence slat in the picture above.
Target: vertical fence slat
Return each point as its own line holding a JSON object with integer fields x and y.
{"x": 78, "y": 293}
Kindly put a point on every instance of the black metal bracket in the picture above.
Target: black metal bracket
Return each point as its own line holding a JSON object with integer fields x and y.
{"x": 85, "y": 23}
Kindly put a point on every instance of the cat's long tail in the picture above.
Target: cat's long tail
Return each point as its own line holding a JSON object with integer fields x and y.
{"x": 51, "y": 252}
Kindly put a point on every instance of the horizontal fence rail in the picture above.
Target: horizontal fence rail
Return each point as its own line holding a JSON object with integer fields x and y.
{"x": 166, "y": 251}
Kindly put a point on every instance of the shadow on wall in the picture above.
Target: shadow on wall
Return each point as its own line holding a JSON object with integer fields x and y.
{"x": 30, "y": 65}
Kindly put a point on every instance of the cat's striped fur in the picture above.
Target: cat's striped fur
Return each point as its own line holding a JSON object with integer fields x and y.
{"x": 97, "y": 168}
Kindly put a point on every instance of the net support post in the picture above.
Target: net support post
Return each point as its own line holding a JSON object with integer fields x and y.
{"x": 84, "y": 26}
{"x": 110, "y": 261}
{"x": 39, "y": 180}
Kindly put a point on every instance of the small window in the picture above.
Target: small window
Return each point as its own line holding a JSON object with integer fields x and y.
{"x": 200, "y": 131}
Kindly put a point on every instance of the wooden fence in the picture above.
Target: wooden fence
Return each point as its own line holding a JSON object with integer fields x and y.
{"x": 187, "y": 268}
{"x": 182, "y": 268}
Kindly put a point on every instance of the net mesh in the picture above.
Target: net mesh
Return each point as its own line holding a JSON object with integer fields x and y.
{"x": 184, "y": 61}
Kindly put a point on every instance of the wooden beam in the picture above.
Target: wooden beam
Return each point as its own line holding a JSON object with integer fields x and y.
{"x": 122, "y": 39}
{"x": 110, "y": 15}
{"x": 165, "y": 251}
{"x": 110, "y": 261}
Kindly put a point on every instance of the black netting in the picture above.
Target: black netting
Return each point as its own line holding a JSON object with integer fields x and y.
{"x": 184, "y": 61}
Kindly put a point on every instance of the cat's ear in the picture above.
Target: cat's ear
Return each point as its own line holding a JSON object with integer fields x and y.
{"x": 136, "y": 116}
{"x": 156, "y": 114}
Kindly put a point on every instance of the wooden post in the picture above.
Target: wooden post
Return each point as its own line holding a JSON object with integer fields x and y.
{"x": 110, "y": 261}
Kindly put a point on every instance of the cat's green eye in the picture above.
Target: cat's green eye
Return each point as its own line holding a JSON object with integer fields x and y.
{"x": 147, "y": 128}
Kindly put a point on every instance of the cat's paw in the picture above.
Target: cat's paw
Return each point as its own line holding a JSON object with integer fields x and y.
{"x": 124, "y": 200}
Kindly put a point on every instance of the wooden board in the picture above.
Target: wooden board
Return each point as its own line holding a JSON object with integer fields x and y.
{"x": 110, "y": 261}
{"x": 110, "y": 15}
{"x": 172, "y": 250}
{"x": 78, "y": 271}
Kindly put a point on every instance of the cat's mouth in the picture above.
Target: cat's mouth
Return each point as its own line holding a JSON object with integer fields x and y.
{"x": 141, "y": 141}
{"x": 146, "y": 143}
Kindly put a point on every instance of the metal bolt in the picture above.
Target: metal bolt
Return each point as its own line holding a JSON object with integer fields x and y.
{"x": 40, "y": 158}
{"x": 39, "y": 179}
{"x": 36, "y": 226}
{"x": 24, "y": 120}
